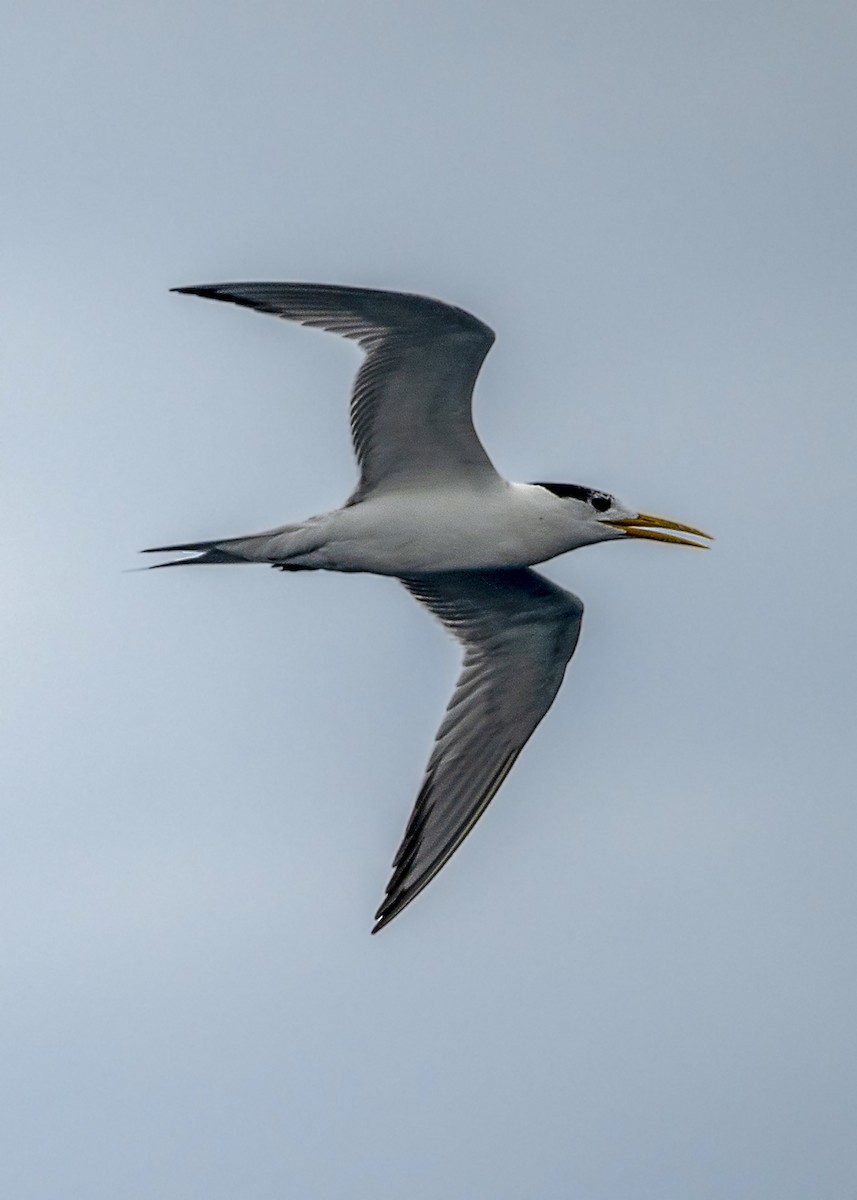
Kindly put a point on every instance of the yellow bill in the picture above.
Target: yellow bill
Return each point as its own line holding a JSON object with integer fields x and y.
{"x": 646, "y": 526}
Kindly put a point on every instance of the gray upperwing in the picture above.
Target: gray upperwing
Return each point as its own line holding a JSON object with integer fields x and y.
{"x": 411, "y": 416}
{"x": 519, "y": 632}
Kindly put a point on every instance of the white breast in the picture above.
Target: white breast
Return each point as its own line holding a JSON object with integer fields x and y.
{"x": 511, "y": 525}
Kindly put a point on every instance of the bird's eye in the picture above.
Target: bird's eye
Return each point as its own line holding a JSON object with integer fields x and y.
{"x": 600, "y": 502}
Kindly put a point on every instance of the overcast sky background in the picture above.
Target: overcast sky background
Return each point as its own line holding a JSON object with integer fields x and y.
{"x": 637, "y": 977}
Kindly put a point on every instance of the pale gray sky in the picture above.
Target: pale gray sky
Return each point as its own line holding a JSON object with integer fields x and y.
{"x": 636, "y": 981}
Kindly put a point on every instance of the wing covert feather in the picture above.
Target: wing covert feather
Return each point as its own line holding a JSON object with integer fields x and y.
{"x": 518, "y": 631}
{"x": 411, "y": 404}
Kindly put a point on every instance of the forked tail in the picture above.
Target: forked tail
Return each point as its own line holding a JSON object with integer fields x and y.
{"x": 212, "y": 552}
{"x": 274, "y": 548}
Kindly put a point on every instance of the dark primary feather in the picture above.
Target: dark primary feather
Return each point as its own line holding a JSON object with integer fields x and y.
{"x": 411, "y": 403}
{"x": 518, "y": 631}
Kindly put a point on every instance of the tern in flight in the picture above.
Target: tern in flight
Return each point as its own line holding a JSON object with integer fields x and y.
{"x": 431, "y": 510}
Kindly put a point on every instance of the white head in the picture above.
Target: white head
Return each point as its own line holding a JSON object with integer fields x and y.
{"x": 602, "y": 518}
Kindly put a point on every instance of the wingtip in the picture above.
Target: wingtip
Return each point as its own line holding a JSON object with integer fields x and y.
{"x": 392, "y": 904}
{"x": 197, "y": 289}
{"x": 244, "y": 295}
{"x": 380, "y": 921}
{"x": 387, "y": 909}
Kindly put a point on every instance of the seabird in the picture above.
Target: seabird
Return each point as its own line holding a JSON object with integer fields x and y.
{"x": 431, "y": 510}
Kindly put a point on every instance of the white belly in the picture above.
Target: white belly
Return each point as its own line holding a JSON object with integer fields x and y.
{"x": 394, "y": 534}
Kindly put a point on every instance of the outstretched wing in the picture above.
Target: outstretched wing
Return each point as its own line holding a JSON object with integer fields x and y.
{"x": 518, "y": 631}
{"x": 411, "y": 405}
